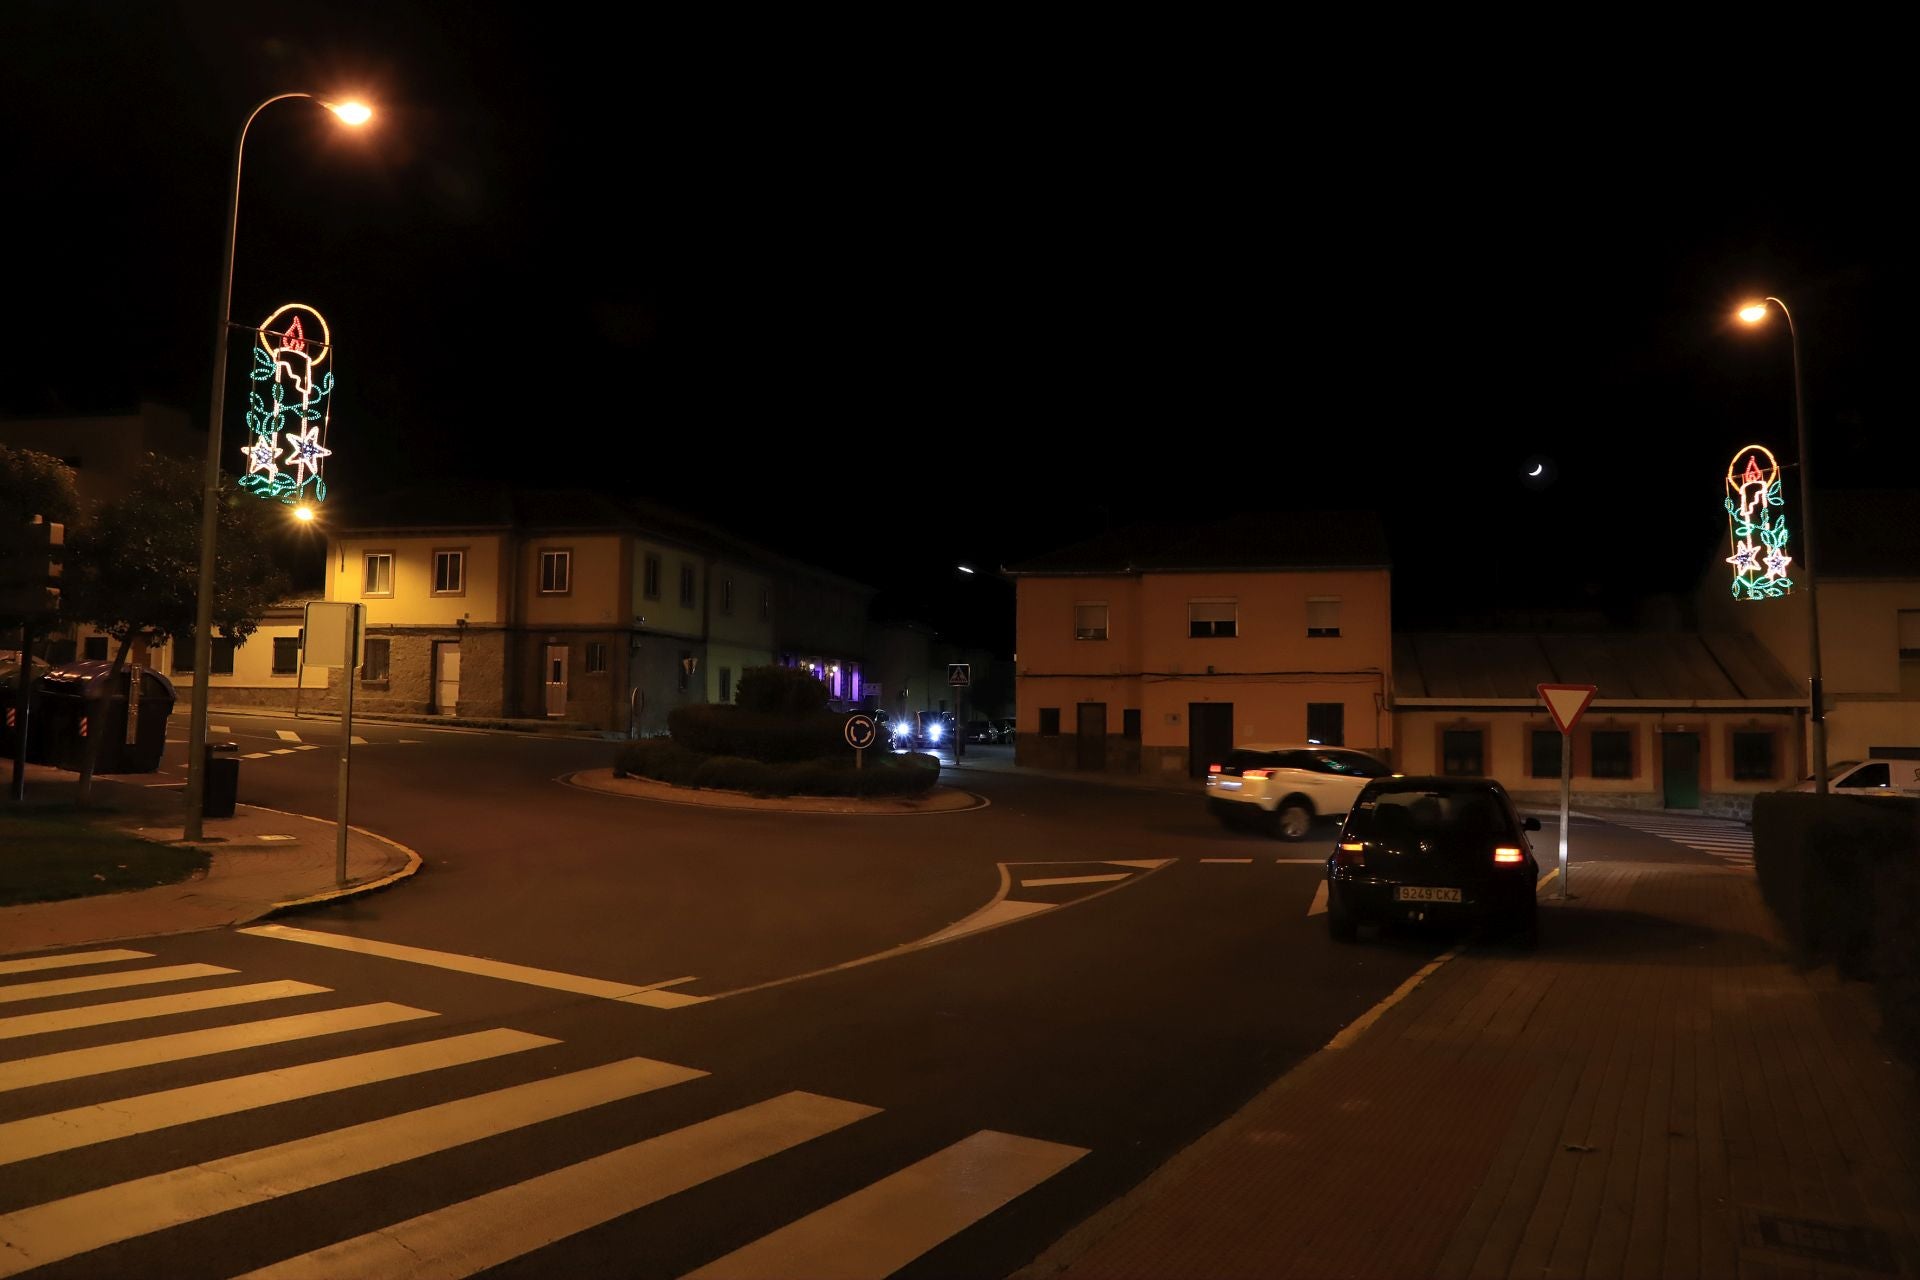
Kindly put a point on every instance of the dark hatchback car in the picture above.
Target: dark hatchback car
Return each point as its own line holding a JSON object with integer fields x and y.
{"x": 1438, "y": 850}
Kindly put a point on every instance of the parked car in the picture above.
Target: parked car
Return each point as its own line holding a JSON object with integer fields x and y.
{"x": 1005, "y": 729}
{"x": 1870, "y": 777}
{"x": 982, "y": 731}
{"x": 1286, "y": 786}
{"x": 1433, "y": 849}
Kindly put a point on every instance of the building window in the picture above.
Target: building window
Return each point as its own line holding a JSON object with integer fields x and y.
{"x": 182, "y": 647}
{"x": 726, "y": 684}
{"x": 726, "y": 596}
{"x": 221, "y": 664}
{"x": 1612, "y": 753}
{"x": 596, "y": 657}
{"x": 686, "y": 669}
{"x": 378, "y": 578}
{"x": 375, "y": 658}
{"x": 1543, "y": 753}
{"x": 59, "y": 652}
{"x": 1462, "y": 754}
{"x": 686, "y": 585}
{"x": 1090, "y": 621}
{"x": 650, "y": 577}
{"x": 1910, "y": 653}
{"x": 1130, "y": 724}
{"x": 96, "y": 648}
{"x": 556, "y": 573}
{"x": 286, "y": 655}
{"x": 449, "y": 573}
{"x": 1049, "y": 722}
{"x": 1219, "y": 619}
{"x": 1323, "y": 615}
{"x": 1327, "y": 723}
{"x": 1753, "y": 757}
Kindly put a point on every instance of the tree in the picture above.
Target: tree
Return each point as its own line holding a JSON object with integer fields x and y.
{"x": 134, "y": 570}
{"x": 35, "y": 484}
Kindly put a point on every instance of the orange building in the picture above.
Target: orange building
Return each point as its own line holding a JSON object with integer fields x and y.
{"x": 1157, "y": 650}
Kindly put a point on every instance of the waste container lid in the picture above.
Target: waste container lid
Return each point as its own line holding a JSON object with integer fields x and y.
{"x": 10, "y": 666}
{"x": 83, "y": 674}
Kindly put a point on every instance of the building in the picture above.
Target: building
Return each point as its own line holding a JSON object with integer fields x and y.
{"x": 1867, "y": 558}
{"x": 1680, "y": 720}
{"x": 1160, "y": 648}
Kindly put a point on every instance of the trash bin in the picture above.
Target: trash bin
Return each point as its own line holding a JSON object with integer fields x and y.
{"x": 10, "y": 713}
{"x": 76, "y": 703}
{"x": 223, "y": 782}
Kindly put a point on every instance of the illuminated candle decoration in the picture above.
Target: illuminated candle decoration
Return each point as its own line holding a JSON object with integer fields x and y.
{"x": 1758, "y": 532}
{"x": 286, "y": 457}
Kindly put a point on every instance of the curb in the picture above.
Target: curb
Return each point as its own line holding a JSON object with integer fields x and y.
{"x": 414, "y": 863}
{"x": 742, "y": 802}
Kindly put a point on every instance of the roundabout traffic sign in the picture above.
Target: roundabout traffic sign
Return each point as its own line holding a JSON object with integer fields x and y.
{"x": 860, "y": 732}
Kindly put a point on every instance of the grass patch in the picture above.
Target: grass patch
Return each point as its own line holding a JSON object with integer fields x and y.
{"x": 47, "y": 856}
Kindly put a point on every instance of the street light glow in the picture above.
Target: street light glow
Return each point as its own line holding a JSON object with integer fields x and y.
{"x": 303, "y": 512}
{"x": 964, "y": 568}
{"x": 353, "y": 113}
{"x": 1754, "y": 312}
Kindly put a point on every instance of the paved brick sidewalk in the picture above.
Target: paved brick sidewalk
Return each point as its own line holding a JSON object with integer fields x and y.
{"x": 260, "y": 860}
{"x": 1654, "y": 1093}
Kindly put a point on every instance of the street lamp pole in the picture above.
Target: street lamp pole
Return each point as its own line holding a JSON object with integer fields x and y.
{"x": 351, "y": 113}
{"x": 1752, "y": 315}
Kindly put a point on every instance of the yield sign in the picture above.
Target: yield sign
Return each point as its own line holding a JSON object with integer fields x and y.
{"x": 1566, "y": 702}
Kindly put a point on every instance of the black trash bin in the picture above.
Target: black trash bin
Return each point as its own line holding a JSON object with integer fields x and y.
{"x": 76, "y": 702}
{"x": 223, "y": 782}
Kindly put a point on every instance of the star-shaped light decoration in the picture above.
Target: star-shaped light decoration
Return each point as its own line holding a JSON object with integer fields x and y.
{"x": 1777, "y": 562}
{"x": 304, "y": 452}
{"x": 1745, "y": 557}
{"x": 261, "y": 456}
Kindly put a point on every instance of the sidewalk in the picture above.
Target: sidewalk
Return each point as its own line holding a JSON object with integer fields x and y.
{"x": 574, "y": 728}
{"x": 1655, "y": 1092}
{"x": 261, "y": 861}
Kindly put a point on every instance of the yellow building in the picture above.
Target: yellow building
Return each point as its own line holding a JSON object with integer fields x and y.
{"x": 1159, "y": 650}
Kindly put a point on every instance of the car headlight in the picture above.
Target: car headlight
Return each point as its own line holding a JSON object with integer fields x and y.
{"x": 933, "y": 733}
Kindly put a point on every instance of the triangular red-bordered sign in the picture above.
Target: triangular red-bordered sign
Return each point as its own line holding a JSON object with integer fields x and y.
{"x": 1565, "y": 702}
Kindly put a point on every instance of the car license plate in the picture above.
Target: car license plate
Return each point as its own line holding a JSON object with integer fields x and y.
{"x": 1229, "y": 784}
{"x": 1423, "y": 893}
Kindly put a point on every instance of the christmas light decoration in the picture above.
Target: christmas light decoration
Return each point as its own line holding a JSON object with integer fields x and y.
{"x": 296, "y": 407}
{"x": 1757, "y": 531}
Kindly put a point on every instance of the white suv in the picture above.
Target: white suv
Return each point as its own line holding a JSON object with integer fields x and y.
{"x": 1288, "y": 786}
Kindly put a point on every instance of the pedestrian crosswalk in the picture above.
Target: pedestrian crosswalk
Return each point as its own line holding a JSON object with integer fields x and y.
{"x": 1731, "y": 842}
{"x": 68, "y": 1100}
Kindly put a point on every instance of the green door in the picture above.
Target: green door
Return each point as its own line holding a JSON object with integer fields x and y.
{"x": 1680, "y": 769}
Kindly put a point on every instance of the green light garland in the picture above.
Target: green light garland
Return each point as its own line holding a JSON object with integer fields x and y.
{"x": 289, "y": 423}
{"x": 1758, "y": 533}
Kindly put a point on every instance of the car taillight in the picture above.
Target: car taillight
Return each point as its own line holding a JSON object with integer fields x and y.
{"x": 1349, "y": 855}
{"x": 1507, "y": 853}
{"x": 1213, "y": 768}
{"x": 1257, "y": 773}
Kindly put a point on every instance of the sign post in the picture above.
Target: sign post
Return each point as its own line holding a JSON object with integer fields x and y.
{"x": 331, "y": 638}
{"x": 959, "y": 675}
{"x": 1565, "y": 702}
{"x": 860, "y": 734}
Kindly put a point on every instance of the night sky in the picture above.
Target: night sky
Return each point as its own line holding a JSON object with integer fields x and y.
{"x": 890, "y": 300}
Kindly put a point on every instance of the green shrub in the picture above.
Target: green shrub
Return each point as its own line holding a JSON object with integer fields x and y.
{"x": 884, "y": 774}
{"x": 758, "y": 735}
{"x": 786, "y": 691}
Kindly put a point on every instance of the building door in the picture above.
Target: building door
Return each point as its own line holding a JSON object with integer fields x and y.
{"x": 1680, "y": 770}
{"x": 1090, "y": 746}
{"x": 446, "y": 676}
{"x": 556, "y": 680}
{"x": 1209, "y": 735}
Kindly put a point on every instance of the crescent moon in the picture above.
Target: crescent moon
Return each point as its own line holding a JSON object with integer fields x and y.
{"x": 1538, "y": 467}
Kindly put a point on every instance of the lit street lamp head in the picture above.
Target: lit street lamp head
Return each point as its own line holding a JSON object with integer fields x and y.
{"x": 303, "y": 513}
{"x": 1754, "y": 312}
{"x": 353, "y": 113}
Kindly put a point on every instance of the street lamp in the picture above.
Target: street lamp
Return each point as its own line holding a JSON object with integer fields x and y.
{"x": 1754, "y": 313}
{"x": 350, "y": 113}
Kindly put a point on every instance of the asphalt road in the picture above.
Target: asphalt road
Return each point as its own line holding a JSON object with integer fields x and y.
{"x": 1051, "y": 1063}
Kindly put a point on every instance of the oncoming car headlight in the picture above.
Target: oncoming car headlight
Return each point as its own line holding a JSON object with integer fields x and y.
{"x": 933, "y": 733}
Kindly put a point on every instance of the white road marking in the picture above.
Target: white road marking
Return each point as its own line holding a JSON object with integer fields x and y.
{"x": 286, "y": 735}
{"x": 74, "y": 1225}
{"x": 311, "y": 746}
{"x": 355, "y": 739}
{"x": 152, "y": 785}
{"x": 71, "y": 959}
{"x": 1319, "y": 907}
{"x": 106, "y": 981}
{"x": 411, "y": 742}
{"x": 258, "y": 755}
{"x": 219, "y": 728}
{"x": 487, "y": 1230}
{"x": 1226, "y": 859}
{"x": 998, "y": 913}
{"x": 281, "y": 751}
{"x": 1099, "y": 879}
{"x": 77, "y": 1063}
{"x": 123, "y": 1117}
{"x": 1145, "y": 864}
{"x": 882, "y": 1227}
{"x": 648, "y": 994}
{"x": 1351, "y": 1032}
{"x": 97, "y": 1015}
{"x": 1300, "y": 862}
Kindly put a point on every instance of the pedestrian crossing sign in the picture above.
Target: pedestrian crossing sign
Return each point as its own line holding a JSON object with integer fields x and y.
{"x": 959, "y": 674}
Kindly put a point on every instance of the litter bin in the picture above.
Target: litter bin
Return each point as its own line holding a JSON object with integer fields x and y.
{"x": 10, "y": 714}
{"x": 75, "y": 703}
{"x": 223, "y": 782}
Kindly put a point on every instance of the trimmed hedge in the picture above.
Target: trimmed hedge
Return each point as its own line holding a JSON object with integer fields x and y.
{"x": 785, "y": 691}
{"x": 664, "y": 760}
{"x": 718, "y": 730}
{"x": 1842, "y": 875}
